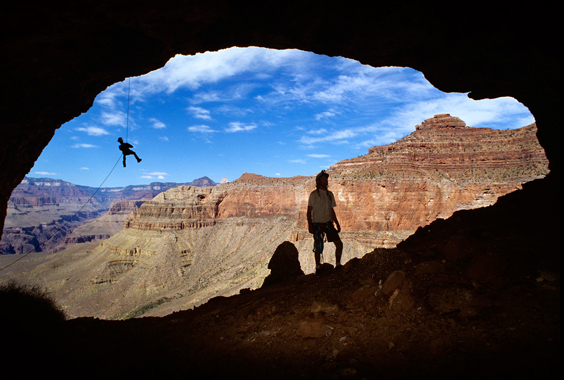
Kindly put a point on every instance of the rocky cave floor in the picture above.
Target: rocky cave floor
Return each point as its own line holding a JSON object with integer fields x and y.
{"x": 470, "y": 297}
{"x": 332, "y": 326}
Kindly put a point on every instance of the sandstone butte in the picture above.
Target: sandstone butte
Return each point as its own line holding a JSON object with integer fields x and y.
{"x": 190, "y": 244}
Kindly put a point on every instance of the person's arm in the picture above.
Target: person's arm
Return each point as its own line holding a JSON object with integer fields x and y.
{"x": 334, "y": 217}
{"x": 309, "y": 222}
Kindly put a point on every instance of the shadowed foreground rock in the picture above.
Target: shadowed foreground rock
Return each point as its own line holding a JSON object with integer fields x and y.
{"x": 284, "y": 264}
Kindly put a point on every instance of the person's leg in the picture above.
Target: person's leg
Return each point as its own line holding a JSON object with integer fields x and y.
{"x": 338, "y": 252}
{"x": 136, "y": 157}
{"x": 317, "y": 256}
{"x": 318, "y": 237}
{"x": 124, "y": 160}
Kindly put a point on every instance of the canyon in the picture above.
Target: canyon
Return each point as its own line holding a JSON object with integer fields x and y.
{"x": 44, "y": 214}
{"x": 189, "y": 244}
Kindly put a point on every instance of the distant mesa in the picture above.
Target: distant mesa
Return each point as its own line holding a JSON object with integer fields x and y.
{"x": 203, "y": 182}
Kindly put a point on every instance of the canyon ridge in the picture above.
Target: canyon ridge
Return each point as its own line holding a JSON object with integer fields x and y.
{"x": 47, "y": 215}
{"x": 189, "y": 244}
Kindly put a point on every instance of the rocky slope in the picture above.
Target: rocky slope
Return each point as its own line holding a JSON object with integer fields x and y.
{"x": 189, "y": 244}
{"x": 476, "y": 296}
{"x": 105, "y": 226}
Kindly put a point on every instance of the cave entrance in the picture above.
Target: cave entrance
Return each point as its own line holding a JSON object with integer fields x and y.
{"x": 271, "y": 112}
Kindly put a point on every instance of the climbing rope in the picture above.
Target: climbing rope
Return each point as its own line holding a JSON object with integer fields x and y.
{"x": 127, "y": 123}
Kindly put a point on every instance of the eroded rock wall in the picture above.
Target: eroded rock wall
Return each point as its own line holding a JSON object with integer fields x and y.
{"x": 383, "y": 196}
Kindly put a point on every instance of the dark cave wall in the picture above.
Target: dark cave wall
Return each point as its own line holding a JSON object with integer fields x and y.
{"x": 57, "y": 57}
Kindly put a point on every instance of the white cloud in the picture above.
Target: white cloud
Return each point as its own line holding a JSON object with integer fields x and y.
{"x": 228, "y": 94}
{"x": 84, "y": 168}
{"x": 358, "y": 84}
{"x": 164, "y": 138}
{"x": 93, "y": 131}
{"x": 199, "y": 113}
{"x": 84, "y": 146}
{"x": 239, "y": 127}
{"x": 344, "y": 136}
{"x": 208, "y": 96}
{"x": 233, "y": 111}
{"x": 160, "y": 174}
{"x": 335, "y": 136}
{"x": 318, "y": 155}
{"x": 325, "y": 115}
{"x": 384, "y": 138}
{"x": 154, "y": 175}
{"x": 474, "y": 113}
{"x": 298, "y": 161}
{"x": 44, "y": 173}
{"x": 201, "y": 129}
{"x": 319, "y": 131}
{"x": 194, "y": 71}
{"x": 344, "y": 85}
{"x": 484, "y": 113}
{"x": 106, "y": 100}
{"x": 115, "y": 118}
{"x": 157, "y": 124}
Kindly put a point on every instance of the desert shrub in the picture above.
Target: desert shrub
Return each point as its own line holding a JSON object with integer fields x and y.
{"x": 26, "y": 303}
{"x": 33, "y": 331}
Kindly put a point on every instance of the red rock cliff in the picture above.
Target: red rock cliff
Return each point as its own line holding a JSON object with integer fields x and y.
{"x": 383, "y": 196}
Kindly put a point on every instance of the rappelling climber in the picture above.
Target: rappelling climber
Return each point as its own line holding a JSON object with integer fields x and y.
{"x": 126, "y": 150}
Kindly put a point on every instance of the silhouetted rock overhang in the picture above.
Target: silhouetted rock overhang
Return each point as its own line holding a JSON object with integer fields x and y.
{"x": 57, "y": 56}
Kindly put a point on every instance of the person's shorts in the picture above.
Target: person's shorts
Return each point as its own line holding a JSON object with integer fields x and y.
{"x": 326, "y": 229}
{"x": 332, "y": 234}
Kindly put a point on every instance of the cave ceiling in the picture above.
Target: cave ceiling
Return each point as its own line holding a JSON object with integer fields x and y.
{"x": 57, "y": 56}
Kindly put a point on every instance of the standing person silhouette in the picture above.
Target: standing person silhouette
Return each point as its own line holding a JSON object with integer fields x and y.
{"x": 320, "y": 218}
{"x": 126, "y": 150}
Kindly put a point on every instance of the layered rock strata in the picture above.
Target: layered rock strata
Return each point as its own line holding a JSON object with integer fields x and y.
{"x": 383, "y": 196}
{"x": 444, "y": 148}
{"x": 42, "y": 212}
{"x": 104, "y": 227}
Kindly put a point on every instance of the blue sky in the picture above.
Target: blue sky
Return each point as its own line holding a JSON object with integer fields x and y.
{"x": 278, "y": 113}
